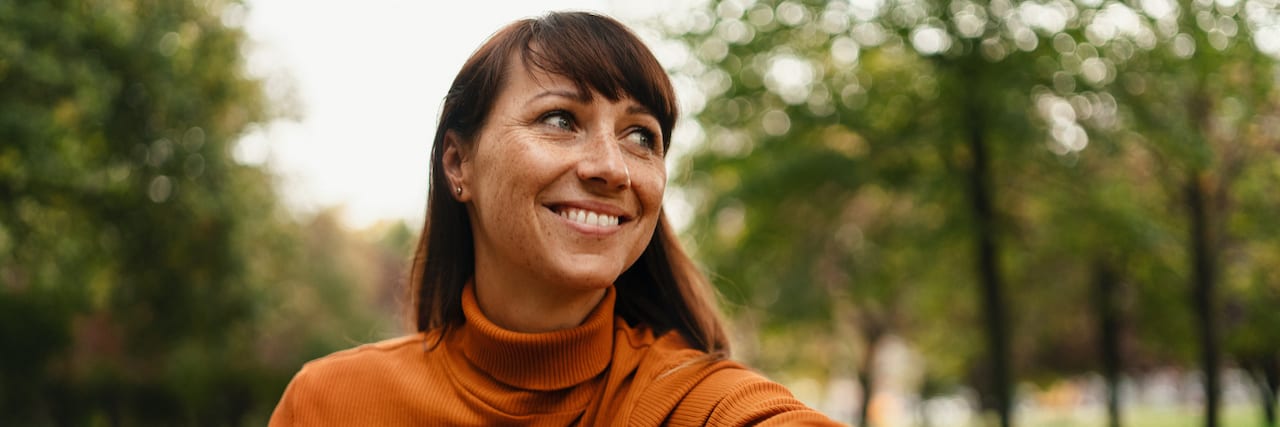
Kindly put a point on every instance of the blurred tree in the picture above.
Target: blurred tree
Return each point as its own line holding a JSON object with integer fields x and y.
{"x": 144, "y": 272}
{"x": 1088, "y": 223}
{"x": 1251, "y": 319}
{"x": 877, "y": 112}
{"x": 836, "y": 135}
{"x": 1202, "y": 96}
{"x": 773, "y": 148}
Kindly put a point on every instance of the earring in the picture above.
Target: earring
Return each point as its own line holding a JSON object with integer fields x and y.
{"x": 458, "y": 190}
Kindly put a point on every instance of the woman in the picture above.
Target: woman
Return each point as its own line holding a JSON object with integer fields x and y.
{"x": 549, "y": 288}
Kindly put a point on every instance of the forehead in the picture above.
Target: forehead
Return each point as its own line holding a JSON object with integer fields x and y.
{"x": 524, "y": 76}
{"x": 520, "y": 77}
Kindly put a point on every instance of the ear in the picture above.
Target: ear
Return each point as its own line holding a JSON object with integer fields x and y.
{"x": 457, "y": 166}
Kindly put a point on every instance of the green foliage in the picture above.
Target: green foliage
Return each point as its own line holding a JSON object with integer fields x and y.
{"x": 831, "y": 184}
{"x": 146, "y": 276}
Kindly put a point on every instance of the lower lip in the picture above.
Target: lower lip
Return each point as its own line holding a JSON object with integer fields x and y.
{"x": 593, "y": 230}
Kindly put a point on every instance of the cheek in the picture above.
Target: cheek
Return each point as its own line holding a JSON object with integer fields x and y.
{"x": 493, "y": 184}
{"x": 650, "y": 183}
{"x": 504, "y": 165}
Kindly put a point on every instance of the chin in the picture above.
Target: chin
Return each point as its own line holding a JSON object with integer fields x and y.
{"x": 591, "y": 278}
{"x": 589, "y": 271}
{"x": 595, "y": 281}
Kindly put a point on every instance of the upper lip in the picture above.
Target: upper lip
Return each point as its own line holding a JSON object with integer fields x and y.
{"x": 591, "y": 205}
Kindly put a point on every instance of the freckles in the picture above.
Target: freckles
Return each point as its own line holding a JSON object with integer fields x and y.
{"x": 649, "y": 180}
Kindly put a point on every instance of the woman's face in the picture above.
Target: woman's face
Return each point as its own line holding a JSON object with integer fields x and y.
{"x": 563, "y": 188}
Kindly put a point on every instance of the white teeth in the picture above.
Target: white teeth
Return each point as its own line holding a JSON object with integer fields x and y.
{"x": 589, "y": 218}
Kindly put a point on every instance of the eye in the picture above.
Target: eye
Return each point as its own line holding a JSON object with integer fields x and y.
{"x": 642, "y": 137}
{"x": 559, "y": 119}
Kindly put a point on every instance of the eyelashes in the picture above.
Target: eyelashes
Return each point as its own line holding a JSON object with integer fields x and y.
{"x": 642, "y": 136}
{"x": 559, "y": 119}
{"x": 563, "y": 120}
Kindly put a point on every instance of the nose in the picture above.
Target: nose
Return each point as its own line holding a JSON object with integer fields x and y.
{"x": 602, "y": 164}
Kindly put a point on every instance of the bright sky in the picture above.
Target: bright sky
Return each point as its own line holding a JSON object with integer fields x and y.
{"x": 367, "y": 78}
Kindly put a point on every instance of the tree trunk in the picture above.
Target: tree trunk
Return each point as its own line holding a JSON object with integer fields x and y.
{"x": 922, "y": 412}
{"x": 988, "y": 269}
{"x": 1202, "y": 295}
{"x": 1109, "y": 335}
{"x": 866, "y": 377}
{"x": 1268, "y": 380}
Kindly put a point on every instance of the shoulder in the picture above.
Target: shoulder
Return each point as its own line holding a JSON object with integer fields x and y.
{"x": 642, "y": 338}
{"x": 678, "y": 385}
{"x": 664, "y": 361}
{"x": 367, "y": 358}
{"x": 735, "y": 395}
{"x": 686, "y": 387}
{"x": 352, "y": 382}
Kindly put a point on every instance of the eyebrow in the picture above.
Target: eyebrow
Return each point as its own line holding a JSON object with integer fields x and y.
{"x": 571, "y": 94}
{"x": 584, "y": 98}
{"x": 639, "y": 109}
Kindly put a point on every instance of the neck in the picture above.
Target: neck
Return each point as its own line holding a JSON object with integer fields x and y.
{"x": 524, "y": 307}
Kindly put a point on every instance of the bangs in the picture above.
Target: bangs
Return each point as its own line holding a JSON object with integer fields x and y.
{"x": 606, "y": 59}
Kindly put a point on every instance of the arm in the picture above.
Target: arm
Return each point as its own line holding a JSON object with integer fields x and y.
{"x": 739, "y": 397}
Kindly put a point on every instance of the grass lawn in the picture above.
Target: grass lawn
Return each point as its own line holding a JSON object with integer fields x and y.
{"x": 1146, "y": 416}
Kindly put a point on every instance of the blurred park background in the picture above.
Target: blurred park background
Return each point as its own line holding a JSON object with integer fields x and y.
{"x": 918, "y": 213}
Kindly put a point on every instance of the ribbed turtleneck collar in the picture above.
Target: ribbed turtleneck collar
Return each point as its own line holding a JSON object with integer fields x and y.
{"x": 538, "y": 361}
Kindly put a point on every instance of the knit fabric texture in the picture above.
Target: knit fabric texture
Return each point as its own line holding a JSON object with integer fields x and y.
{"x": 602, "y": 372}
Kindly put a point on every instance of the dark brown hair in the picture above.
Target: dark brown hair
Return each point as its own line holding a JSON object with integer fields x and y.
{"x": 663, "y": 289}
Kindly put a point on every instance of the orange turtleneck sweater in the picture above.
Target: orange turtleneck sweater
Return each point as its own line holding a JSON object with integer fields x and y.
{"x": 602, "y": 372}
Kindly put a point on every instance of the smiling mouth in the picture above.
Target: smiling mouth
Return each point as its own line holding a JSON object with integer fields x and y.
{"x": 588, "y": 217}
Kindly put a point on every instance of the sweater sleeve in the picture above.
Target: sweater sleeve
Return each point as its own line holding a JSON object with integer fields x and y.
{"x": 740, "y": 397}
